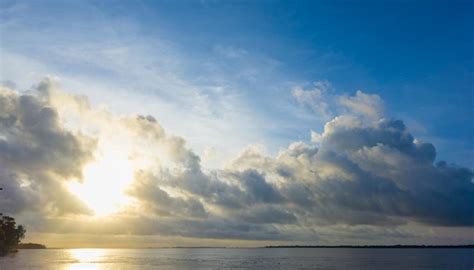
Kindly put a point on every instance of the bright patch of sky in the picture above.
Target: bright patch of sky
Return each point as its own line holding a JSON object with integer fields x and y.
{"x": 223, "y": 74}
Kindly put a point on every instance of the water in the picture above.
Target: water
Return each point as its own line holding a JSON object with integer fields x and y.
{"x": 230, "y": 258}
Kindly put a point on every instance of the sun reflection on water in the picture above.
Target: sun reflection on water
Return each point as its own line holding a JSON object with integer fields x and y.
{"x": 86, "y": 259}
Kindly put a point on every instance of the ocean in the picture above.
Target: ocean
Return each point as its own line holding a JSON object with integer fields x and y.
{"x": 240, "y": 258}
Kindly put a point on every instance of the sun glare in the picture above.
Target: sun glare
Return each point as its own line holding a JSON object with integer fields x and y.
{"x": 104, "y": 183}
{"x": 86, "y": 259}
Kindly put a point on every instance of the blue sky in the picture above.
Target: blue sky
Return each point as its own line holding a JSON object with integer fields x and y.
{"x": 417, "y": 56}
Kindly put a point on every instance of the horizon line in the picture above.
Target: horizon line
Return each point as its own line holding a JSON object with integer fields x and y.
{"x": 279, "y": 246}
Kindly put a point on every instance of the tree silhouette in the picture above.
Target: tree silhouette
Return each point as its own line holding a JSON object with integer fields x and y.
{"x": 10, "y": 234}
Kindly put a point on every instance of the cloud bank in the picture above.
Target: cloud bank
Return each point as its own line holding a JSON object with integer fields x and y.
{"x": 365, "y": 176}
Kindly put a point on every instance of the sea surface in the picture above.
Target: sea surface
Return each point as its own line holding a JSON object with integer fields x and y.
{"x": 240, "y": 258}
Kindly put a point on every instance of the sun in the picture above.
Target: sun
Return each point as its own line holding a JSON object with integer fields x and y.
{"x": 104, "y": 183}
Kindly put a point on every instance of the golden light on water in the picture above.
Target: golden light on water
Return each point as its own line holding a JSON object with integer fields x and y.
{"x": 104, "y": 183}
{"x": 86, "y": 259}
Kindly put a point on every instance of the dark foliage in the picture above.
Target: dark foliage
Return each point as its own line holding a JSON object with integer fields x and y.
{"x": 10, "y": 234}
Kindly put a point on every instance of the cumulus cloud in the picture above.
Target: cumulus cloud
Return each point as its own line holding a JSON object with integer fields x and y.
{"x": 363, "y": 174}
{"x": 37, "y": 154}
{"x": 146, "y": 189}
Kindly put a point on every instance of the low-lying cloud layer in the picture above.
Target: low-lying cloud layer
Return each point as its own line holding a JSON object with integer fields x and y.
{"x": 365, "y": 176}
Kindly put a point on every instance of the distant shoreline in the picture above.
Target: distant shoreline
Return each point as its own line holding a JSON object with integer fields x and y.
{"x": 376, "y": 246}
{"x": 30, "y": 246}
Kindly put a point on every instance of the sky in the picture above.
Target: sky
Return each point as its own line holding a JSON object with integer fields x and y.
{"x": 174, "y": 123}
